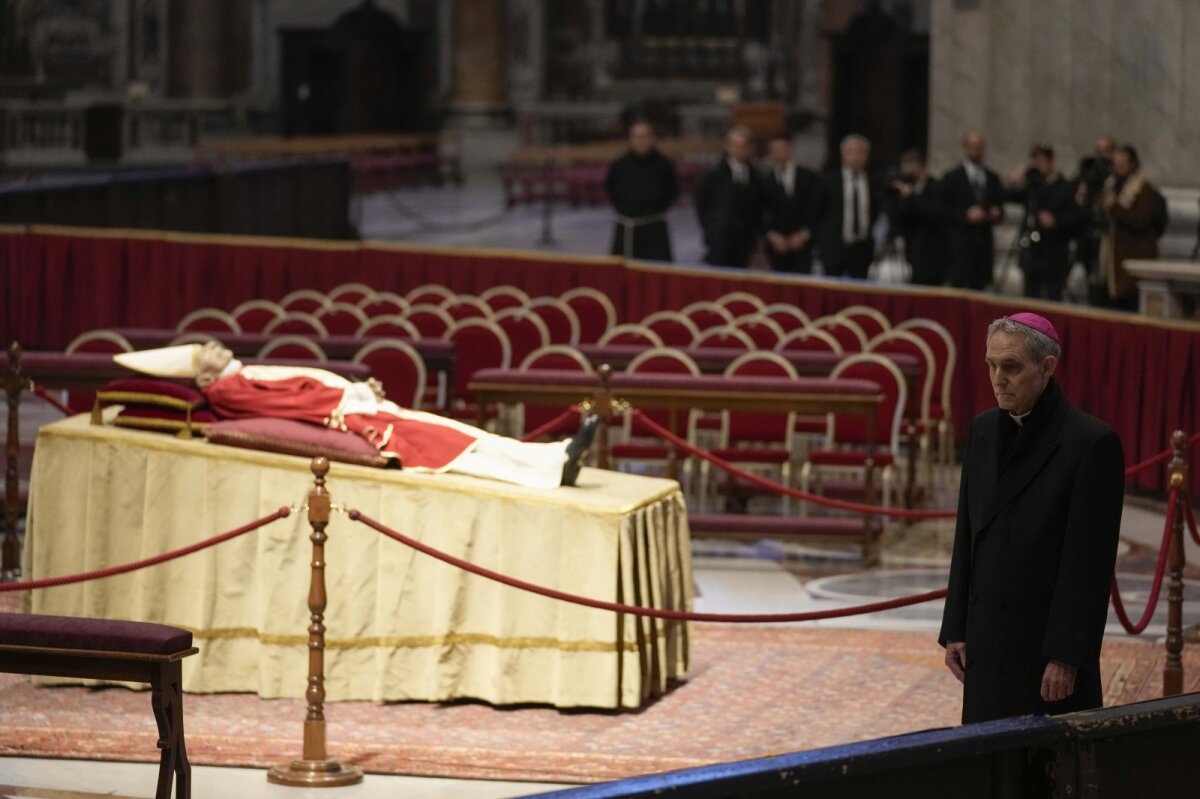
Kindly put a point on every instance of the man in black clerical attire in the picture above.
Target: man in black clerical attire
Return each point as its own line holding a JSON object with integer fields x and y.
{"x": 729, "y": 204}
{"x": 793, "y": 205}
{"x": 1053, "y": 217}
{"x": 920, "y": 219}
{"x": 642, "y": 186}
{"x": 974, "y": 200}
{"x": 852, "y": 202}
{"x": 1039, "y": 513}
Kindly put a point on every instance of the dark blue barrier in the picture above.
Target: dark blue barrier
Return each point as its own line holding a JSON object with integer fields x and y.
{"x": 1142, "y": 750}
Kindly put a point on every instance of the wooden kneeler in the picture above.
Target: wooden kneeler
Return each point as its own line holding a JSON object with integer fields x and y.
{"x": 103, "y": 649}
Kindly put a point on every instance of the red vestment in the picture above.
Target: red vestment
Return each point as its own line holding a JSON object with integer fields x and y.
{"x": 419, "y": 440}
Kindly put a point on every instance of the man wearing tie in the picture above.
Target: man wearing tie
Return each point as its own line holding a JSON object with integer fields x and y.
{"x": 792, "y": 208}
{"x": 974, "y": 200}
{"x": 729, "y": 204}
{"x": 852, "y": 203}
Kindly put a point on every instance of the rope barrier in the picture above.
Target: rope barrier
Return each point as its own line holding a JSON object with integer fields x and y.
{"x": 551, "y": 425}
{"x": 1190, "y": 517}
{"x": 40, "y": 391}
{"x": 1156, "y": 586}
{"x": 637, "y": 610}
{"x": 779, "y": 488}
{"x": 51, "y": 582}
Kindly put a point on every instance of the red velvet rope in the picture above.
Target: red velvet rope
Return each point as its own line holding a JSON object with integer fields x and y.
{"x": 553, "y": 424}
{"x": 40, "y": 391}
{"x": 636, "y": 610}
{"x": 1190, "y": 517}
{"x": 51, "y": 582}
{"x": 1160, "y": 568}
{"x": 779, "y": 488}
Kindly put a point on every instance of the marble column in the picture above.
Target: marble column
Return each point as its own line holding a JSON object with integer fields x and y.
{"x": 480, "y": 93}
{"x": 197, "y": 49}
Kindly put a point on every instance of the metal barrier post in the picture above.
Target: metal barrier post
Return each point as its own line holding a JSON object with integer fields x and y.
{"x": 1177, "y": 478}
{"x": 315, "y": 769}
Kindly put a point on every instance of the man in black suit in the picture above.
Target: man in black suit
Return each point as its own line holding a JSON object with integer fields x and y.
{"x": 1053, "y": 217}
{"x": 1039, "y": 513}
{"x": 852, "y": 202}
{"x": 920, "y": 219}
{"x": 974, "y": 199}
{"x": 793, "y": 199}
{"x": 729, "y": 204}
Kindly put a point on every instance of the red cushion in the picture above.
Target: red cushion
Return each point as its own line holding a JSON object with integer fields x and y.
{"x": 148, "y": 391}
{"x": 110, "y": 635}
{"x": 749, "y": 455}
{"x": 656, "y": 452}
{"x": 295, "y": 438}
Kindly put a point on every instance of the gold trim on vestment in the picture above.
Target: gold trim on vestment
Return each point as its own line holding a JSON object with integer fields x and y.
{"x": 414, "y": 641}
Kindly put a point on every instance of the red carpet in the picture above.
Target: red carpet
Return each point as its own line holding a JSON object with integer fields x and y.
{"x": 753, "y": 691}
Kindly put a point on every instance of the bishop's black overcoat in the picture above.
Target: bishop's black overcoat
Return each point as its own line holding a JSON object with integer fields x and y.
{"x": 1035, "y": 543}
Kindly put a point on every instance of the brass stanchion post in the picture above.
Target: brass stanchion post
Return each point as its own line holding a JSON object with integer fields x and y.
{"x": 602, "y": 406}
{"x": 315, "y": 769}
{"x": 1177, "y": 478}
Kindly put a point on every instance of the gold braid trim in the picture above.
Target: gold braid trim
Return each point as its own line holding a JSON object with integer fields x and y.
{"x": 416, "y": 641}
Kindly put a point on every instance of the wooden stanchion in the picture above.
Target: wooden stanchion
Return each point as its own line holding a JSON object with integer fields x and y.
{"x": 10, "y": 549}
{"x": 1177, "y": 478}
{"x": 315, "y": 769}
{"x": 602, "y": 406}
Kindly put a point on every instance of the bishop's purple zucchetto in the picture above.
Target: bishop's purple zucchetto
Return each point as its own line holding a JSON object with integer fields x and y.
{"x": 1035, "y": 322}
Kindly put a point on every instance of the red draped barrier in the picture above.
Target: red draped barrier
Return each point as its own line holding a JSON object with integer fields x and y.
{"x": 1142, "y": 376}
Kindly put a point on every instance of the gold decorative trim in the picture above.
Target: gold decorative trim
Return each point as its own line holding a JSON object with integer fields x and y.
{"x": 415, "y": 641}
{"x": 143, "y": 398}
{"x": 141, "y": 423}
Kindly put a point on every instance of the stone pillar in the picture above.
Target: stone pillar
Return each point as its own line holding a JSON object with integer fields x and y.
{"x": 480, "y": 93}
{"x": 197, "y": 49}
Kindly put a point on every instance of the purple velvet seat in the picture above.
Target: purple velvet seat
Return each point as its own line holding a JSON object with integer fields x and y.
{"x": 68, "y": 632}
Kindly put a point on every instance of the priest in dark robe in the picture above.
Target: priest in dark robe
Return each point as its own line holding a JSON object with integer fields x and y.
{"x": 1039, "y": 513}
{"x": 641, "y": 187}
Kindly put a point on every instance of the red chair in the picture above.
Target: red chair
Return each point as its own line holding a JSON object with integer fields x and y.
{"x": 674, "y": 328}
{"x": 845, "y": 445}
{"x": 559, "y": 357}
{"x": 705, "y": 314}
{"x": 809, "y": 340}
{"x": 428, "y": 294}
{"x": 353, "y": 293}
{"x": 525, "y": 330}
{"x": 560, "y": 320}
{"x": 388, "y": 327}
{"x": 635, "y": 447}
{"x": 384, "y": 303}
{"x": 430, "y": 320}
{"x": 400, "y": 369}
{"x": 253, "y": 316}
{"x": 467, "y": 306}
{"x": 872, "y": 321}
{"x": 903, "y": 342}
{"x": 296, "y": 323}
{"x": 945, "y": 356}
{"x": 724, "y": 337}
{"x": 596, "y": 312}
{"x": 741, "y": 303}
{"x": 756, "y": 439}
{"x": 341, "y": 318}
{"x": 787, "y": 316}
{"x": 210, "y": 320}
{"x": 296, "y": 348}
{"x": 481, "y": 345}
{"x": 304, "y": 301}
{"x": 97, "y": 341}
{"x": 502, "y": 297}
{"x": 764, "y": 332}
{"x": 846, "y": 331}
{"x": 631, "y": 333}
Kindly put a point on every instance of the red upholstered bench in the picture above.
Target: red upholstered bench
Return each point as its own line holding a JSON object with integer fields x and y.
{"x": 104, "y": 649}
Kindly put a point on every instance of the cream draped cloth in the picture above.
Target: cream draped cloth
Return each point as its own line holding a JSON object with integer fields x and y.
{"x": 401, "y": 626}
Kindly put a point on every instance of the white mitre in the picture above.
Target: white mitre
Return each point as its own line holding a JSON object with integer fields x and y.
{"x": 179, "y": 361}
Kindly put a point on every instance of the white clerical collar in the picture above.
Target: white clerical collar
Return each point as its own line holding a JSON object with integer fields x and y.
{"x": 741, "y": 172}
{"x": 1019, "y": 418}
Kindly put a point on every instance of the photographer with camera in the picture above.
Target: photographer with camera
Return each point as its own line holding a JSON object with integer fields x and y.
{"x": 1053, "y": 217}
{"x": 1094, "y": 169}
{"x": 915, "y": 206}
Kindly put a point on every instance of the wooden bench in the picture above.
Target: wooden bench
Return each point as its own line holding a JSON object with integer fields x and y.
{"x": 104, "y": 649}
